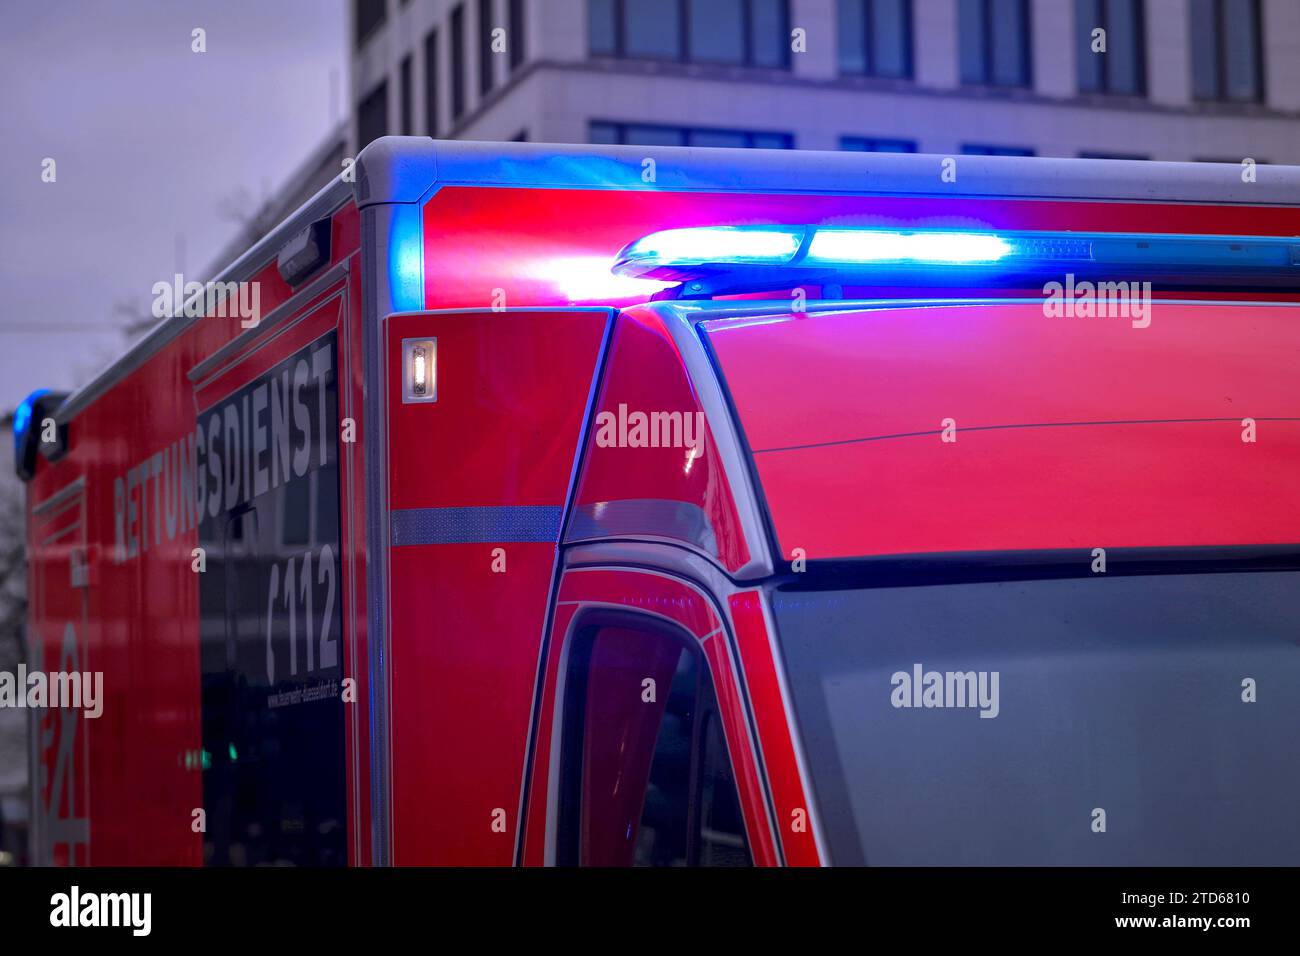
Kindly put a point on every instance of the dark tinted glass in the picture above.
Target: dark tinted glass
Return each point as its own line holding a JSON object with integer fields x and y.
{"x": 431, "y": 83}
{"x": 853, "y": 35}
{"x": 972, "y": 40}
{"x": 405, "y": 105}
{"x": 647, "y": 778}
{"x": 866, "y": 145}
{"x": 270, "y": 603}
{"x": 369, "y": 15}
{"x": 890, "y": 35}
{"x": 769, "y": 34}
{"x": 722, "y": 835}
{"x": 1009, "y": 42}
{"x": 634, "y": 135}
{"x": 717, "y": 31}
{"x": 602, "y": 32}
{"x": 978, "y": 149}
{"x": 1240, "y": 25}
{"x": 652, "y": 28}
{"x": 1204, "y": 24}
{"x": 1124, "y": 55}
{"x": 715, "y": 137}
{"x": 1123, "y": 693}
{"x": 663, "y": 831}
{"x": 485, "y": 54}
{"x": 372, "y": 115}
{"x": 457, "y": 62}
{"x": 1088, "y": 65}
{"x": 604, "y": 133}
{"x": 518, "y": 39}
{"x": 771, "y": 141}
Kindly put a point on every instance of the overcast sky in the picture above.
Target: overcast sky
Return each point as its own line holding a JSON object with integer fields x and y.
{"x": 150, "y": 140}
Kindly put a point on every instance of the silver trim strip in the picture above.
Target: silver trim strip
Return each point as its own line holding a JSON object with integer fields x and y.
{"x": 376, "y": 305}
{"x": 653, "y": 517}
{"x": 233, "y": 351}
{"x": 792, "y": 725}
{"x": 64, "y": 494}
{"x": 401, "y": 169}
{"x": 726, "y": 438}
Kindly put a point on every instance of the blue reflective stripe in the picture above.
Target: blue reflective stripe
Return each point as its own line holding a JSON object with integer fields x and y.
{"x": 486, "y": 524}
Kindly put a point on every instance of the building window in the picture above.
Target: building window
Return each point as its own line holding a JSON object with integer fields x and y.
{"x": 1226, "y": 59}
{"x": 994, "y": 38}
{"x": 369, "y": 17}
{"x": 645, "y": 134}
{"x": 978, "y": 149}
{"x": 431, "y": 83}
{"x": 372, "y": 116}
{"x": 405, "y": 105}
{"x": 862, "y": 144}
{"x": 1091, "y": 154}
{"x": 876, "y": 37}
{"x": 1121, "y": 69}
{"x": 458, "y": 62}
{"x": 518, "y": 39}
{"x": 485, "y": 54}
{"x": 733, "y": 32}
{"x": 645, "y": 783}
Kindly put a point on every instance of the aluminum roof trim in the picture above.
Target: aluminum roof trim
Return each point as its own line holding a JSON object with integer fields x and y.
{"x": 405, "y": 168}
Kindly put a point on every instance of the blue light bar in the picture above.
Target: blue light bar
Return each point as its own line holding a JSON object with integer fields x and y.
{"x": 23, "y": 417}
{"x": 769, "y": 245}
{"x": 728, "y": 257}
{"x": 865, "y": 245}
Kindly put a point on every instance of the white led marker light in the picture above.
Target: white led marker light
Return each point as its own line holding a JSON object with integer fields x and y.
{"x": 419, "y": 370}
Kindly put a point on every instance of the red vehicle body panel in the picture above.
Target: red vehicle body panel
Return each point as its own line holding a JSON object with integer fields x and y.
{"x": 645, "y": 372}
{"x": 141, "y": 767}
{"x": 521, "y": 240}
{"x": 453, "y": 733}
{"x": 794, "y": 812}
{"x": 1140, "y": 428}
{"x": 513, "y": 389}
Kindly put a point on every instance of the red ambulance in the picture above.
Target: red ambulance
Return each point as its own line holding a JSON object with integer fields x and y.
{"x": 530, "y": 504}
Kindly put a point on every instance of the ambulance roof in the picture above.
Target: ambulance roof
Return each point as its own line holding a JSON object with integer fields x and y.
{"x": 408, "y": 169}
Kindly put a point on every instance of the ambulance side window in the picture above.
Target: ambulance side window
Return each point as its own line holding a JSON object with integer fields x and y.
{"x": 646, "y": 777}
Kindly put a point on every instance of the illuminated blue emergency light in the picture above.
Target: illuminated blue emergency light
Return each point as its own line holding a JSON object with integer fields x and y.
{"x": 27, "y": 416}
{"x": 720, "y": 258}
{"x": 23, "y": 418}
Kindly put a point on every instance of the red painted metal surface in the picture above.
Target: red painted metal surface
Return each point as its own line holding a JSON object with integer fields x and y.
{"x": 140, "y": 770}
{"x": 645, "y": 373}
{"x": 749, "y": 779}
{"x": 844, "y": 413}
{"x": 554, "y": 246}
{"x": 58, "y": 640}
{"x": 512, "y": 390}
{"x": 776, "y": 741}
{"x": 540, "y": 800}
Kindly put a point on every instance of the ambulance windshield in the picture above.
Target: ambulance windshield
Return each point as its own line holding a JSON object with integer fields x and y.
{"x": 1100, "y": 720}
